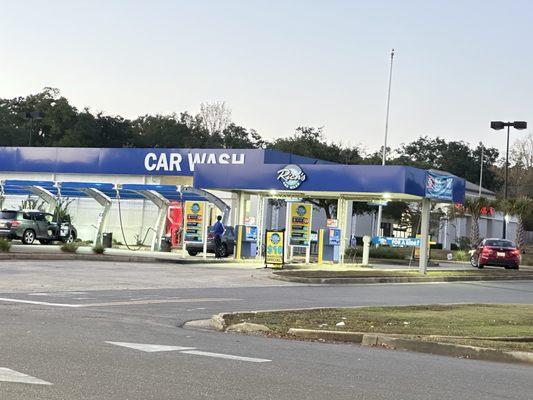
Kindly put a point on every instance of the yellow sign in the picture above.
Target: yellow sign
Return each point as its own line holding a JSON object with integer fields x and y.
{"x": 300, "y": 232}
{"x": 194, "y": 221}
{"x": 274, "y": 242}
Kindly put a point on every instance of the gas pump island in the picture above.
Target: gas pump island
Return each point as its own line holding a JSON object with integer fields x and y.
{"x": 316, "y": 179}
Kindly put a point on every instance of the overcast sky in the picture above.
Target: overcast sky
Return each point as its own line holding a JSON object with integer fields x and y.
{"x": 281, "y": 64}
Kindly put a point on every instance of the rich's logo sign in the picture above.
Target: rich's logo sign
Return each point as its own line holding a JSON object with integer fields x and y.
{"x": 291, "y": 176}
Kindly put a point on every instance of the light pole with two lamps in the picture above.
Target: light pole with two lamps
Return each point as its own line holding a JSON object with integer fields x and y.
{"x": 499, "y": 125}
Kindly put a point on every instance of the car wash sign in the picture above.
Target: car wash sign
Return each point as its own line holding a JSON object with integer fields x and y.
{"x": 178, "y": 162}
{"x": 439, "y": 186}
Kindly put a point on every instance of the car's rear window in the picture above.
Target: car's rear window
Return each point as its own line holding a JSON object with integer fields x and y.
{"x": 8, "y": 214}
{"x": 499, "y": 243}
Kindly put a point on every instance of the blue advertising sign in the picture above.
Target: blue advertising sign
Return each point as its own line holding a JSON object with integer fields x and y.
{"x": 439, "y": 186}
{"x": 334, "y": 236}
{"x": 396, "y": 242}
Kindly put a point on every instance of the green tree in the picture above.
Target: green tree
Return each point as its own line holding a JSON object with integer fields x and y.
{"x": 519, "y": 207}
{"x": 474, "y": 207}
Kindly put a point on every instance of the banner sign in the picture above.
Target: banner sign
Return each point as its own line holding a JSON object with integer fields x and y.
{"x": 396, "y": 241}
{"x": 274, "y": 241}
{"x": 194, "y": 221}
{"x": 300, "y": 232}
{"x": 439, "y": 186}
{"x": 335, "y": 237}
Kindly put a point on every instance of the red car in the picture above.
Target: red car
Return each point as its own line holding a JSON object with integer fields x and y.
{"x": 498, "y": 252}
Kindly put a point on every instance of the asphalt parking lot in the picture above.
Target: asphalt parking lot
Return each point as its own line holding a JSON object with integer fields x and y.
{"x": 92, "y": 330}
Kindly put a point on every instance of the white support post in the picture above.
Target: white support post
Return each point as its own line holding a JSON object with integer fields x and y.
{"x": 344, "y": 218}
{"x": 260, "y": 224}
{"x": 207, "y": 219}
{"x": 105, "y": 202}
{"x": 2, "y": 196}
{"x": 162, "y": 203}
{"x": 424, "y": 236}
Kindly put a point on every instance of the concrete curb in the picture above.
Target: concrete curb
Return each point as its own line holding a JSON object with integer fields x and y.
{"x": 107, "y": 257}
{"x": 447, "y": 349}
{"x": 335, "y": 336}
{"x": 398, "y": 279}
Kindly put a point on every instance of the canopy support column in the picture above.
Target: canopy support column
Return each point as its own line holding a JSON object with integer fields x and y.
{"x": 162, "y": 203}
{"x": 344, "y": 214}
{"x": 260, "y": 224}
{"x": 424, "y": 236}
{"x": 105, "y": 202}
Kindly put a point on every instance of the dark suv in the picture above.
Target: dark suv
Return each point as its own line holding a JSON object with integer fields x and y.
{"x": 31, "y": 225}
{"x": 228, "y": 243}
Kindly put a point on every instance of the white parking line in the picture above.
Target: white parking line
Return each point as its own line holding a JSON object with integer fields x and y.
{"x": 153, "y": 348}
{"x": 8, "y": 375}
{"x": 150, "y": 348}
{"x": 118, "y": 303}
{"x": 41, "y": 303}
{"x": 226, "y": 356}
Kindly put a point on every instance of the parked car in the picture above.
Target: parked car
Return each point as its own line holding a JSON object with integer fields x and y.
{"x": 31, "y": 225}
{"x": 497, "y": 252}
{"x": 228, "y": 243}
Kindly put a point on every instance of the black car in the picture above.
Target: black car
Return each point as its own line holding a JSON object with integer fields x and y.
{"x": 228, "y": 243}
{"x": 31, "y": 225}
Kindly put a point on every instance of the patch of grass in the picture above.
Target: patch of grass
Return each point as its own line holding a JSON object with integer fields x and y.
{"x": 69, "y": 247}
{"x": 5, "y": 245}
{"x": 481, "y": 320}
{"x": 98, "y": 249}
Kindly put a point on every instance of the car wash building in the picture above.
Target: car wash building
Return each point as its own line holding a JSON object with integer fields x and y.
{"x": 139, "y": 194}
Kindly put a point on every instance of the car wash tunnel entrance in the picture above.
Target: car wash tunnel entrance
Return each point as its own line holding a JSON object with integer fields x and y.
{"x": 260, "y": 194}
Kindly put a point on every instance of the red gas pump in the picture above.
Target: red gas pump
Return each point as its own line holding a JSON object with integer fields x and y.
{"x": 174, "y": 222}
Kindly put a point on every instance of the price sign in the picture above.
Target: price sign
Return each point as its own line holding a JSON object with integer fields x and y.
{"x": 274, "y": 248}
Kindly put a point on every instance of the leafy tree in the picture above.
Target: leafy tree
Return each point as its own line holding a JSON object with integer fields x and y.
{"x": 474, "y": 207}
{"x": 519, "y": 207}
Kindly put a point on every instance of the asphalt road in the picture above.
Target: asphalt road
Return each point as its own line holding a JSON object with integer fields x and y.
{"x": 57, "y": 319}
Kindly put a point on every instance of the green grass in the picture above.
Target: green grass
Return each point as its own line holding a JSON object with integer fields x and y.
{"x": 481, "y": 320}
{"x": 69, "y": 247}
{"x": 5, "y": 245}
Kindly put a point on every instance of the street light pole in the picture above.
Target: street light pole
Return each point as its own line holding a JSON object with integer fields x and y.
{"x": 384, "y": 150}
{"x": 498, "y": 125}
{"x": 481, "y": 170}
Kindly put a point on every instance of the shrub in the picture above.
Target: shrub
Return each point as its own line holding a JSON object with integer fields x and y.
{"x": 5, "y": 245}
{"x": 464, "y": 243}
{"x": 461, "y": 255}
{"x": 385, "y": 252}
{"x": 98, "y": 249}
{"x": 69, "y": 247}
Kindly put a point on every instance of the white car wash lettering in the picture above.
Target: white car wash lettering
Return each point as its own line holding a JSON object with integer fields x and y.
{"x": 172, "y": 161}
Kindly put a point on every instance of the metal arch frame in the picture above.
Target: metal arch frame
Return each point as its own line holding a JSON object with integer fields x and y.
{"x": 162, "y": 203}
{"x": 105, "y": 201}
{"x": 2, "y": 195}
{"x": 210, "y": 197}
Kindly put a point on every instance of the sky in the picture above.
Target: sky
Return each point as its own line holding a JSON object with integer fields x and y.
{"x": 283, "y": 64}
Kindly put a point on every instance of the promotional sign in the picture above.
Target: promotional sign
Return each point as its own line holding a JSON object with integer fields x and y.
{"x": 300, "y": 232}
{"x": 396, "y": 241}
{"x": 250, "y": 233}
{"x": 249, "y": 220}
{"x": 194, "y": 221}
{"x": 274, "y": 247}
{"x": 335, "y": 237}
{"x": 439, "y": 186}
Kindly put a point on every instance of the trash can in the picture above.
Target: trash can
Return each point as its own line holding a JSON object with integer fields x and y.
{"x": 107, "y": 240}
{"x": 166, "y": 244}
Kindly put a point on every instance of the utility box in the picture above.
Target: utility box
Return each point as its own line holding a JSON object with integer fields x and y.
{"x": 166, "y": 244}
{"x": 107, "y": 240}
{"x": 246, "y": 241}
{"x": 329, "y": 245}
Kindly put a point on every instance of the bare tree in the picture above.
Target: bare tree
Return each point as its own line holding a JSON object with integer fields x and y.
{"x": 522, "y": 166}
{"x": 215, "y": 117}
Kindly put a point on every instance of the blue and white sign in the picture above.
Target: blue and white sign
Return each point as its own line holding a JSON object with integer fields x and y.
{"x": 439, "y": 186}
{"x": 291, "y": 176}
{"x": 396, "y": 241}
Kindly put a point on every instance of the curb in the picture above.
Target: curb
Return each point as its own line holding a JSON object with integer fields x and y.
{"x": 447, "y": 349}
{"x": 397, "y": 279}
{"x": 335, "y": 336}
{"x": 106, "y": 257}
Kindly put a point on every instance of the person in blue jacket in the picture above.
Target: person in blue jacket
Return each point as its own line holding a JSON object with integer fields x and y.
{"x": 218, "y": 230}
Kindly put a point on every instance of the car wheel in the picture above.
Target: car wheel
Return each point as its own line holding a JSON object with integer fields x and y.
{"x": 223, "y": 252}
{"x": 473, "y": 261}
{"x": 192, "y": 252}
{"x": 28, "y": 237}
{"x": 69, "y": 239}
